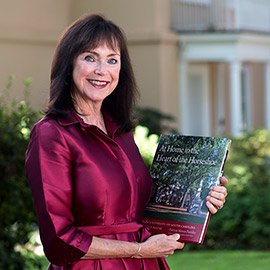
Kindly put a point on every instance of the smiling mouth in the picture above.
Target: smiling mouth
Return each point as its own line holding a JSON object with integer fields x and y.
{"x": 98, "y": 83}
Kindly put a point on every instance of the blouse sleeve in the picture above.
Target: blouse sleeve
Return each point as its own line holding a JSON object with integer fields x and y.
{"x": 49, "y": 173}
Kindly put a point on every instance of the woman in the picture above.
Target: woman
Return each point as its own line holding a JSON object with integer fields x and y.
{"x": 89, "y": 183}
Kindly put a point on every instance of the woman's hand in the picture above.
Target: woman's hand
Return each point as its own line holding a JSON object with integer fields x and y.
{"x": 216, "y": 197}
{"x": 159, "y": 246}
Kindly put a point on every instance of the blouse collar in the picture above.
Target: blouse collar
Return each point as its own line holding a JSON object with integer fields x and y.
{"x": 73, "y": 118}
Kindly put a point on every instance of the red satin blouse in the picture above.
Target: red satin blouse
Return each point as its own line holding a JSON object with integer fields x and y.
{"x": 86, "y": 183}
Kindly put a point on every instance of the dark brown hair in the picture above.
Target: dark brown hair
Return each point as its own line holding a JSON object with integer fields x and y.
{"x": 87, "y": 33}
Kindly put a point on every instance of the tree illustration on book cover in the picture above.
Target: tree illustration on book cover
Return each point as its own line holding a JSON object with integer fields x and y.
{"x": 183, "y": 170}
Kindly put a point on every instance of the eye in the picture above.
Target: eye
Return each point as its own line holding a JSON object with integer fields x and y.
{"x": 89, "y": 58}
{"x": 112, "y": 61}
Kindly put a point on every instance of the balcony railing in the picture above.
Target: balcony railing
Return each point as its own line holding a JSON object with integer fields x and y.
{"x": 221, "y": 15}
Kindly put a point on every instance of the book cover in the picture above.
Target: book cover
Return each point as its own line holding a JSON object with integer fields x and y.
{"x": 183, "y": 170}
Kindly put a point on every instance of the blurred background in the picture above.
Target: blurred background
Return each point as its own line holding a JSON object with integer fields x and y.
{"x": 202, "y": 67}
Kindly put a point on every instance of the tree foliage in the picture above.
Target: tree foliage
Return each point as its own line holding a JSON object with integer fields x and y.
{"x": 244, "y": 221}
{"x": 155, "y": 121}
{"x": 16, "y": 208}
{"x": 146, "y": 143}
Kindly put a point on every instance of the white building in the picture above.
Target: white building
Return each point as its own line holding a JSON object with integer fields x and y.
{"x": 205, "y": 62}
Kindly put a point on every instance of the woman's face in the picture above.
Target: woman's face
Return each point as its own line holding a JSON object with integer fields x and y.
{"x": 96, "y": 74}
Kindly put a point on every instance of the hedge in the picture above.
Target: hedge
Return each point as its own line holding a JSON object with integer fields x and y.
{"x": 16, "y": 207}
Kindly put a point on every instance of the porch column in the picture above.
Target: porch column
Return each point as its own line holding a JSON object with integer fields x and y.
{"x": 183, "y": 97}
{"x": 267, "y": 95}
{"x": 235, "y": 97}
{"x": 220, "y": 119}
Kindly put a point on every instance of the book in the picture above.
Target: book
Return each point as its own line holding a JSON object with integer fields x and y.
{"x": 183, "y": 170}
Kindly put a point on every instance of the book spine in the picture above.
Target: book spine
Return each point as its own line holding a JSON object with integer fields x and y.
{"x": 203, "y": 232}
{"x": 223, "y": 162}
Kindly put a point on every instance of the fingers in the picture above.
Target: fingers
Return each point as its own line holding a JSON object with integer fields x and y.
{"x": 217, "y": 195}
{"x": 221, "y": 189}
{"x": 211, "y": 207}
{"x": 223, "y": 180}
{"x": 216, "y": 198}
{"x": 218, "y": 192}
{"x": 175, "y": 236}
{"x": 180, "y": 245}
{"x": 214, "y": 204}
{"x": 160, "y": 245}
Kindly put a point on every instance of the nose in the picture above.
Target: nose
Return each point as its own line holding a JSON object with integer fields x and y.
{"x": 100, "y": 68}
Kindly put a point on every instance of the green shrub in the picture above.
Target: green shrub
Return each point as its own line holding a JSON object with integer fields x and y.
{"x": 157, "y": 122}
{"x": 146, "y": 143}
{"x": 16, "y": 207}
{"x": 34, "y": 262}
{"x": 244, "y": 221}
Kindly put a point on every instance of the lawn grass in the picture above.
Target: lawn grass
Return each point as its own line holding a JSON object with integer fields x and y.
{"x": 196, "y": 260}
{"x": 219, "y": 260}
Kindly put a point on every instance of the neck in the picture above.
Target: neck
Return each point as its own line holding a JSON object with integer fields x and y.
{"x": 92, "y": 115}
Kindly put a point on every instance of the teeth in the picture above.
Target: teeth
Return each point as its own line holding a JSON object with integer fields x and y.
{"x": 97, "y": 82}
